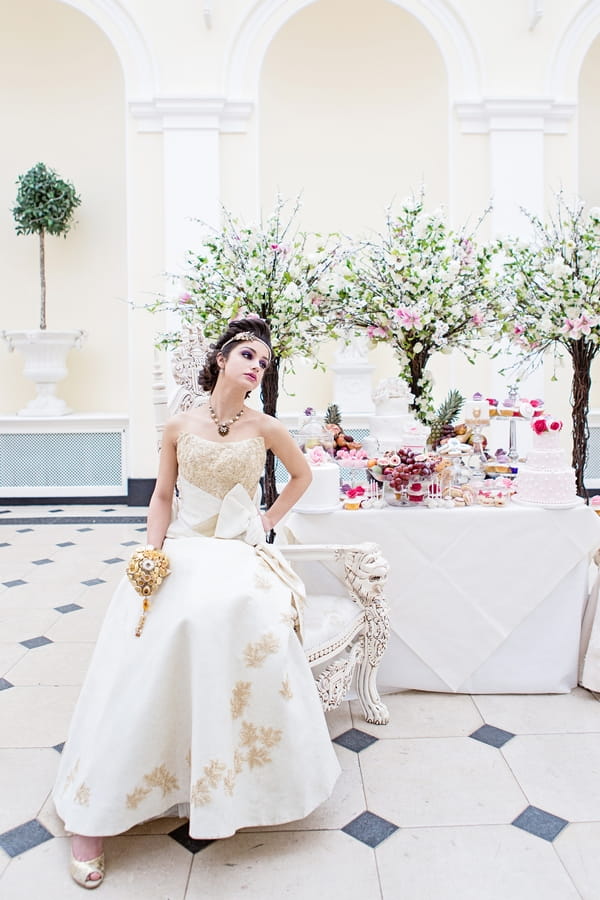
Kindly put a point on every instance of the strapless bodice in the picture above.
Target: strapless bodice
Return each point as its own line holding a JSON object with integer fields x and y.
{"x": 215, "y": 467}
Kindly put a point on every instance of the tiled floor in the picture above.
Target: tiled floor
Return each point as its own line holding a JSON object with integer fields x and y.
{"x": 459, "y": 798}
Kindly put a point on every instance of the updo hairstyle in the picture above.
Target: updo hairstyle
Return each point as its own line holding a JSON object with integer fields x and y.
{"x": 210, "y": 371}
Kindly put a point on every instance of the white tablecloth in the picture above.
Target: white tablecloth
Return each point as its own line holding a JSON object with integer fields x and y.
{"x": 482, "y": 600}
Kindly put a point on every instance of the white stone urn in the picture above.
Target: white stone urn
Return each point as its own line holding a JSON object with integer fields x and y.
{"x": 45, "y": 355}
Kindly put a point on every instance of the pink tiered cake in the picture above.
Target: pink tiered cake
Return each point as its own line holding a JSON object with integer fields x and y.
{"x": 546, "y": 479}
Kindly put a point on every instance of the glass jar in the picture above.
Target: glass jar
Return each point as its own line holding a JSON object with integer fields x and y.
{"x": 313, "y": 433}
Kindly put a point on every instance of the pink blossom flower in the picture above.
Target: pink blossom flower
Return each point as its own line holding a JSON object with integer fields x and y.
{"x": 185, "y": 297}
{"x": 408, "y": 318}
{"x": 519, "y": 329}
{"x": 539, "y": 426}
{"x": 477, "y": 319}
{"x": 376, "y": 331}
{"x": 571, "y": 329}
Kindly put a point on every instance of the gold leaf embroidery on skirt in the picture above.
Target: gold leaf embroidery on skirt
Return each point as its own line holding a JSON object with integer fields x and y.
{"x": 213, "y": 775}
{"x": 285, "y": 690}
{"x": 229, "y": 782}
{"x": 257, "y": 756}
{"x": 258, "y": 739}
{"x": 269, "y": 736}
{"x": 255, "y": 654}
{"x": 200, "y": 794}
{"x": 262, "y": 577}
{"x": 238, "y": 762}
{"x": 71, "y": 777}
{"x": 160, "y": 777}
{"x": 240, "y": 697}
{"x": 135, "y": 798}
{"x": 249, "y": 734}
{"x": 82, "y": 794}
{"x": 214, "y": 772}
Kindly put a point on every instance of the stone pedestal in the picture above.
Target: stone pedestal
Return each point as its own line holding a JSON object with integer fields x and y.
{"x": 352, "y": 378}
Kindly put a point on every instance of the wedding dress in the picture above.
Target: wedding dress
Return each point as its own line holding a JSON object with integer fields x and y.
{"x": 212, "y": 713}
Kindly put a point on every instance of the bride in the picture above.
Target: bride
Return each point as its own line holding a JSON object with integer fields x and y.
{"x": 205, "y": 707}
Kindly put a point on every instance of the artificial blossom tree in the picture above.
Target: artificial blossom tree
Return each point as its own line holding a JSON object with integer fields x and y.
{"x": 551, "y": 289}
{"x": 270, "y": 270}
{"x": 422, "y": 288}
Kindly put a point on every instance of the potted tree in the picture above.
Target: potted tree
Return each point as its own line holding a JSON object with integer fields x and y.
{"x": 45, "y": 205}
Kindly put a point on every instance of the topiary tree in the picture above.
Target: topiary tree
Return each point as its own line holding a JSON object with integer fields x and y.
{"x": 45, "y": 203}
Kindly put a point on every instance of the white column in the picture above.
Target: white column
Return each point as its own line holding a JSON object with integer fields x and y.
{"x": 191, "y": 164}
{"x": 516, "y": 128}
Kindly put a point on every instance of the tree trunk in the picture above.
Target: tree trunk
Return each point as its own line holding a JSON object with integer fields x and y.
{"x": 582, "y": 355}
{"x": 417, "y": 366}
{"x": 270, "y": 395}
{"x": 42, "y": 281}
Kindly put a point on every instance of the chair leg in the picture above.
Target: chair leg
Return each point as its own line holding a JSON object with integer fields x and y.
{"x": 375, "y": 640}
{"x": 376, "y": 712}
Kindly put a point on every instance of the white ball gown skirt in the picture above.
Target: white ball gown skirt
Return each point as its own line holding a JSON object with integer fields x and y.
{"x": 212, "y": 713}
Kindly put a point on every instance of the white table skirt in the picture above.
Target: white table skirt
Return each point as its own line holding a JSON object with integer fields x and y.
{"x": 481, "y": 600}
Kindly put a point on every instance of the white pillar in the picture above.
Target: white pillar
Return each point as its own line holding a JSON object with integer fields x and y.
{"x": 191, "y": 128}
{"x": 191, "y": 164}
{"x": 516, "y": 129}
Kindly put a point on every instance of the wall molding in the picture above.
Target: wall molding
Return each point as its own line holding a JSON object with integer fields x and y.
{"x": 449, "y": 33}
{"x": 515, "y": 114}
{"x": 126, "y": 39}
{"x": 192, "y": 114}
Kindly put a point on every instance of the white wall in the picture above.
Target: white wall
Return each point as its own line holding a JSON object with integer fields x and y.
{"x": 63, "y": 104}
{"x": 352, "y": 103}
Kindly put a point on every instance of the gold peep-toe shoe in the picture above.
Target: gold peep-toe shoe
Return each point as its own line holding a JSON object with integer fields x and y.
{"x": 81, "y": 869}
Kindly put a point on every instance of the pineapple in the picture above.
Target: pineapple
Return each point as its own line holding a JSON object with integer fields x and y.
{"x": 333, "y": 415}
{"x": 442, "y": 426}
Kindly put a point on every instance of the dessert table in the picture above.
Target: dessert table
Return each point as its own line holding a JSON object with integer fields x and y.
{"x": 482, "y": 600}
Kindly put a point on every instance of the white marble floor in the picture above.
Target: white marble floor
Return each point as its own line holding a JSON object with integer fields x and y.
{"x": 459, "y": 797}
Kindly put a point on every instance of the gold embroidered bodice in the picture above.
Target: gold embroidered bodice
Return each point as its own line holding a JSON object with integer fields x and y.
{"x": 216, "y": 467}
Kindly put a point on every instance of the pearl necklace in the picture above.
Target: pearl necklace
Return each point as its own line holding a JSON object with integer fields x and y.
{"x": 223, "y": 427}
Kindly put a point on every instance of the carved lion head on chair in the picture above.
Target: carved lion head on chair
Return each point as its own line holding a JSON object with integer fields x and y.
{"x": 366, "y": 570}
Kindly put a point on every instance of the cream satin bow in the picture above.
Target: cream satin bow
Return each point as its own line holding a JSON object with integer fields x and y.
{"x": 239, "y": 518}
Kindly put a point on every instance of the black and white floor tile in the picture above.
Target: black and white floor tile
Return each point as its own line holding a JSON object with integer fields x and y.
{"x": 459, "y": 797}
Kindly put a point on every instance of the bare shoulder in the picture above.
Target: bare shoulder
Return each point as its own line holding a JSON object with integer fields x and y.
{"x": 272, "y": 430}
{"x": 174, "y": 427}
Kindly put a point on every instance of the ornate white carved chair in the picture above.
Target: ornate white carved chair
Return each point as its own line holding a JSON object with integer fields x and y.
{"x": 345, "y": 635}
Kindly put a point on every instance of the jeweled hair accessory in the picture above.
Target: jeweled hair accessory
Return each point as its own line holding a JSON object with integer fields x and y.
{"x": 146, "y": 569}
{"x": 247, "y": 336}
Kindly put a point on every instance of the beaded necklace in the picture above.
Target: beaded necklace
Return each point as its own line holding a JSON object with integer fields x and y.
{"x": 223, "y": 427}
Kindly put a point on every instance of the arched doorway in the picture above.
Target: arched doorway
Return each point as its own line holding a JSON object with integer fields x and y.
{"x": 352, "y": 117}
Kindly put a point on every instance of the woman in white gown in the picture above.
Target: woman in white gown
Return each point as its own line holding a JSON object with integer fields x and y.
{"x": 212, "y": 711}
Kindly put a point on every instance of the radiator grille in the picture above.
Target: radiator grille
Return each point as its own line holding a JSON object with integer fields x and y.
{"x": 65, "y": 459}
{"x": 592, "y": 468}
{"x": 355, "y": 476}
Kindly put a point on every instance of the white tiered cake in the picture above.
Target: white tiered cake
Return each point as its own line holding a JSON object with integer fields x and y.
{"x": 393, "y": 426}
{"x": 546, "y": 479}
{"x": 323, "y": 493}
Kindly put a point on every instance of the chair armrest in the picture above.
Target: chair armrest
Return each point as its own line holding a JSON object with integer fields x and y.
{"x": 365, "y": 569}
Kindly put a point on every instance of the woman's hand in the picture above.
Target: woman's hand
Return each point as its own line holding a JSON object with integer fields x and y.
{"x": 266, "y": 522}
